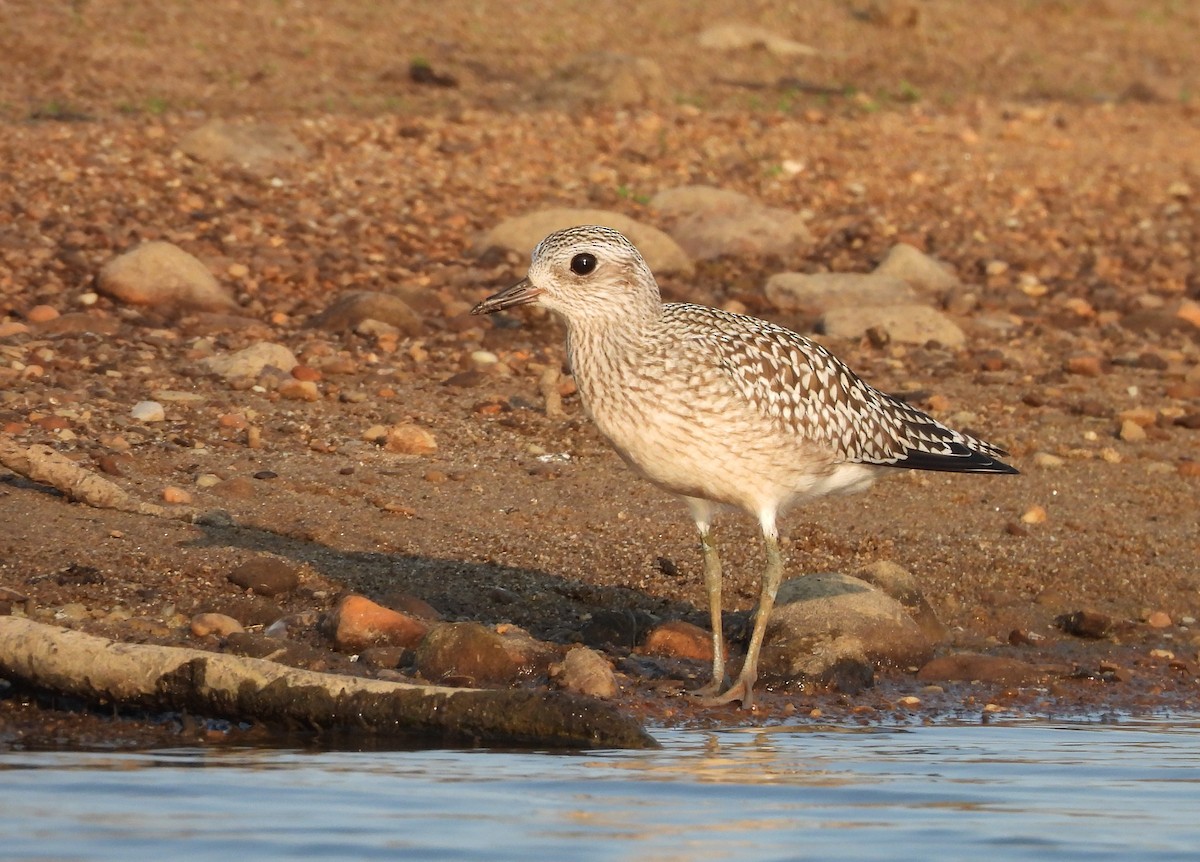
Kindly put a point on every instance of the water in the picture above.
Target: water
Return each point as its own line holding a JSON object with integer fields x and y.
{"x": 1025, "y": 791}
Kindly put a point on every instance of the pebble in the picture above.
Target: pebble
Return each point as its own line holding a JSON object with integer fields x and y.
{"x": 1034, "y": 515}
{"x": 348, "y": 312}
{"x": 710, "y": 223}
{"x": 587, "y": 672}
{"x": 213, "y": 623}
{"x": 266, "y": 576}
{"x": 42, "y": 314}
{"x": 1047, "y": 461}
{"x": 1159, "y": 620}
{"x": 257, "y": 148}
{"x": 299, "y": 390}
{"x": 1085, "y": 624}
{"x": 250, "y": 362}
{"x": 357, "y": 622}
{"x": 176, "y": 496}
{"x": 1085, "y": 366}
{"x": 1132, "y": 432}
{"x": 410, "y": 439}
{"x": 148, "y": 411}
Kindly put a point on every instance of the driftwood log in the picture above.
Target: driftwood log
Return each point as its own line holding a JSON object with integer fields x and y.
{"x": 103, "y": 671}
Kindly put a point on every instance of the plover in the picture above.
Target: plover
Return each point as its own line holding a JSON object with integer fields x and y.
{"x": 723, "y": 409}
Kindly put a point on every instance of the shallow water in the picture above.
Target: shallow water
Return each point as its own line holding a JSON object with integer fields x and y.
{"x": 1036, "y": 791}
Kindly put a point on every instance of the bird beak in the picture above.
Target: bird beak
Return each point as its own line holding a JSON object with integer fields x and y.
{"x": 521, "y": 293}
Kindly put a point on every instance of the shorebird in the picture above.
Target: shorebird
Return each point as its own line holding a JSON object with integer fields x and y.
{"x": 723, "y": 409}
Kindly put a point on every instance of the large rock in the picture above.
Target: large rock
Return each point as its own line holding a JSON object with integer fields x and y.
{"x": 586, "y": 671}
{"x": 348, "y": 311}
{"x": 905, "y": 322}
{"x": 605, "y": 78}
{"x": 798, "y": 291}
{"x": 257, "y": 148}
{"x": 709, "y": 222}
{"x": 249, "y": 362}
{"x": 162, "y": 275}
{"x": 466, "y": 654}
{"x": 736, "y": 36}
{"x": 926, "y": 274}
{"x": 828, "y": 626}
{"x": 902, "y": 586}
{"x": 522, "y": 233}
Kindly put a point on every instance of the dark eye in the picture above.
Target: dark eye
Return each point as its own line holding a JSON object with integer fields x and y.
{"x": 583, "y": 264}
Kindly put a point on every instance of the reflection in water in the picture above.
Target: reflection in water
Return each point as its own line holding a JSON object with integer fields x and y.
{"x": 1026, "y": 791}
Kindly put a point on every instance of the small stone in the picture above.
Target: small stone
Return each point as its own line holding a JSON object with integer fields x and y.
{"x": 679, "y": 639}
{"x": 587, "y": 672}
{"x": 1047, "y": 461}
{"x": 736, "y": 36}
{"x": 1085, "y": 366}
{"x": 410, "y": 439}
{"x": 266, "y": 576}
{"x": 206, "y": 624}
{"x": 1189, "y": 469}
{"x": 1034, "y": 515}
{"x": 42, "y": 314}
{"x": 250, "y": 362}
{"x": 306, "y": 372}
{"x": 237, "y": 488}
{"x": 299, "y": 390}
{"x": 1132, "y": 432}
{"x": 797, "y": 291}
{"x": 1085, "y": 624}
{"x": 176, "y": 496}
{"x": 12, "y": 327}
{"x": 357, "y": 623}
{"x": 148, "y": 411}
{"x": 1159, "y": 620}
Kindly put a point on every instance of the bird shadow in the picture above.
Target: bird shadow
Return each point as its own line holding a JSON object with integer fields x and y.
{"x": 549, "y": 606}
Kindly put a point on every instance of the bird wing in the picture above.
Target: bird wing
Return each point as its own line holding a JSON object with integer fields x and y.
{"x": 812, "y": 394}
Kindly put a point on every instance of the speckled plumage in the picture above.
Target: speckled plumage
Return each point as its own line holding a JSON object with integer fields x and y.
{"x": 723, "y": 408}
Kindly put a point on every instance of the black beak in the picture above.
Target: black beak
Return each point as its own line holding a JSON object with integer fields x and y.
{"x": 521, "y": 293}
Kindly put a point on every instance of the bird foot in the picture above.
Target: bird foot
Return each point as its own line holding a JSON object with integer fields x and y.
{"x": 741, "y": 691}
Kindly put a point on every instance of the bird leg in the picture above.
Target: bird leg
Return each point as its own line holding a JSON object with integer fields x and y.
{"x": 712, "y": 584}
{"x": 743, "y": 688}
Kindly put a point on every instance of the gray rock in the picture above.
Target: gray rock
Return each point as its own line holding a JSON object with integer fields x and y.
{"x": 830, "y": 625}
{"x": 926, "y": 274}
{"x": 256, "y": 147}
{"x": 797, "y": 291}
{"x": 900, "y": 584}
{"x": 905, "y": 322}
{"x": 710, "y": 222}
{"x": 522, "y": 233}
{"x": 148, "y": 411}
{"x": 586, "y": 671}
{"x": 605, "y": 78}
{"x": 250, "y": 361}
{"x": 735, "y": 36}
{"x": 348, "y": 311}
{"x": 160, "y": 274}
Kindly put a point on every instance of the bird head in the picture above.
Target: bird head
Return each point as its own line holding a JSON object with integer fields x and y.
{"x": 581, "y": 273}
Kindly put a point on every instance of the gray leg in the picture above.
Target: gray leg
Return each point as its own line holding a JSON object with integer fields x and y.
{"x": 702, "y": 512}
{"x": 743, "y": 688}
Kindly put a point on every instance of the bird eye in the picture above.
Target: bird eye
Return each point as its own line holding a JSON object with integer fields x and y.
{"x": 583, "y": 264}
